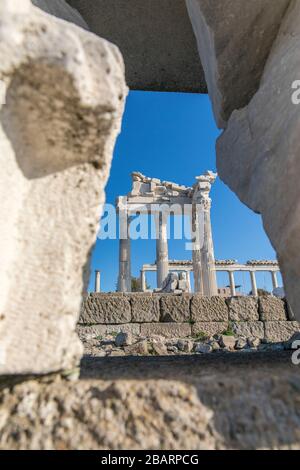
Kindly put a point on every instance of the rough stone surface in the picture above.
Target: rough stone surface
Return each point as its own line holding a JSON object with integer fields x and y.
{"x": 168, "y": 330}
{"x": 249, "y": 329}
{"x": 203, "y": 402}
{"x": 138, "y": 349}
{"x": 258, "y": 154}
{"x": 205, "y": 309}
{"x": 62, "y": 10}
{"x": 160, "y": 52}
{"x": 227, "y": 342}
{"x": 234, "y": 41}
{"x": 145, "y": 308}
{"x": 280, "y": 331}
{"x": 272, "y": 309}
{"x": 63, "y": 91}
{"x": 175, "y": 308}
{"x": 209, "y": 328}
{"x": 243, "y": 308}
{"x": 102, "y": 308}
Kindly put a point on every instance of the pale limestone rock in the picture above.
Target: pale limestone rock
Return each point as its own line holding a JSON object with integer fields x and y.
{"x": 64, "y": 93}
{"x": 227, "y": 342}
{"x": 62, "y": 10}
{"x": 258, "y": 154}
{"x": 278, "y": 331}
{"x": 234, "y": 40}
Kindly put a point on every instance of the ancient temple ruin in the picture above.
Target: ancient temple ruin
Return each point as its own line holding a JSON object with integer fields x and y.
{"x": 162, "y": 199}
{"x": 229, "y": 266}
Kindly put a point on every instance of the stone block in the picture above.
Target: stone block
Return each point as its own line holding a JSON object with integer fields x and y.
{"x": 206, "y": 309}
{"x": 258, "y": 153}
{"x": 105, "y": 309}
{"x": 145, "y": 308}
{"x": 243, "y": 308}
{"x": 279, "y": 331}
{"x": 234, "y": 41}
{"x": 272, "y": 309}
{"x": 87, "y": 332}
{"x": 175, "y": 308}
{"x": 62, "y": 98}
{"x": 254, "y": 329}
{"x": 168, "y": 330}
{"x": 209, "y": 328}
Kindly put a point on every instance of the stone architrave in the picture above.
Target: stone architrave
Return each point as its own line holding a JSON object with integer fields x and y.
{"x": 61, "y": 110}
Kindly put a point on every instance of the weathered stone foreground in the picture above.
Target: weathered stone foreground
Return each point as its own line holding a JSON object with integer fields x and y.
{"x": 63, "y": 92}
{"x": 250, "y": 54}
{"x": 247, "y": 401}
{"x": 266, "y": 318}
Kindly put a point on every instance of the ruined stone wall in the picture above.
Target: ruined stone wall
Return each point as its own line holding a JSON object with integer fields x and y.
{"x": 169, "y": 315}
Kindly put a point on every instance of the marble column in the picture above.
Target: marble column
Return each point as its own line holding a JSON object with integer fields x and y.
{"x": 124, "y": 281}
{"x": 274, "y": 279}
{"x": 143, "y": 281}
{"x": 197, "y": 268}
{"x": 188, "y": 279}
{"x": 209, "y": 277}
{"x": 162, "y": 256}
{"x": 253, "y": 283}
{"x": 232, "y": 283}
{"x": 97, "y": 281}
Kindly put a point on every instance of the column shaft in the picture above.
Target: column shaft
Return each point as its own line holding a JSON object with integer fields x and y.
{"x": 253, "y": 283}
{"x": 198, "y": 284}
{"x": 143, "y": 281}
{"x": 210, "y": 287}
{"x": 97, "y": 281}
{"x": 124, "y": 281}
{"x": 162, "y": 256}
{"x": 274, "y": 279}
{"x": 232, "y": 283}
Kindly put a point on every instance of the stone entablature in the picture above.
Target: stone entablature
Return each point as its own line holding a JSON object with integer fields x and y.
{"x": 169, "y": 315}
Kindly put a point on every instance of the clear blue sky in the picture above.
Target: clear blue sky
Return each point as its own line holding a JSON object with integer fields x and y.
{"x": 172, "y": 136}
